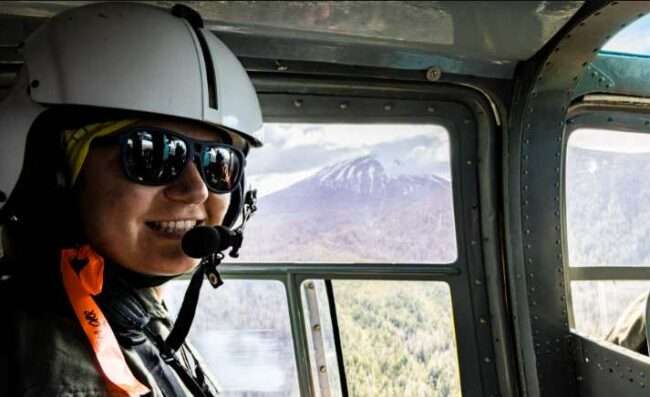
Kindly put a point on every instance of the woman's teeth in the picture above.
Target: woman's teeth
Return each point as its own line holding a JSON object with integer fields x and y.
{"x": 174, "y": 226}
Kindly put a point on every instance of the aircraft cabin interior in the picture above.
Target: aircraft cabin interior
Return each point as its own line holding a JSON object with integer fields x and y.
{"x": 453, "y": 198}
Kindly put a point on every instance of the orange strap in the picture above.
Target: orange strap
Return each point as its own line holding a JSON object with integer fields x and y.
{"x": 79, "y": 288}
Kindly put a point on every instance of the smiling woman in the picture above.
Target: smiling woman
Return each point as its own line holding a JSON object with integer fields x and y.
{"x": 128, "y": 176}
{"x": 140, "y": 226}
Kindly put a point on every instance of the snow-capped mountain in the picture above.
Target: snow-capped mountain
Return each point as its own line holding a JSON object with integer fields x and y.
{"x": 354, "y": 210}
{"x": 366, "y": 176}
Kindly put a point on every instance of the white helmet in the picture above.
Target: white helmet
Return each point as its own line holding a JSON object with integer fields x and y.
{"x": 134, "y": 57}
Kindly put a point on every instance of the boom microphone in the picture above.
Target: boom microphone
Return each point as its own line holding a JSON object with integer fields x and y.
{"x": 202, "y": 241}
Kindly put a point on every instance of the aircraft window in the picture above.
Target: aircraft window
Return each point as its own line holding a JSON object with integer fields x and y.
{"x": 397, "y": 337}
{"x": 632, "y": 40}
{"x": 243, "y": 332}
{"x": 352, "y": 193}
{"x": 607, "y": 191}
{"x": 598, "y": 305}
{"x": 607, "y": 208}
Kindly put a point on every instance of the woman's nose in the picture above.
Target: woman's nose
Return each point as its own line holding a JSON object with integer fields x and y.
{"x": 188, "y": 187}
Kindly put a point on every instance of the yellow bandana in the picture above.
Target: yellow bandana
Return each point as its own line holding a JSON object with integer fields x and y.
{"x": 77, "y": 142}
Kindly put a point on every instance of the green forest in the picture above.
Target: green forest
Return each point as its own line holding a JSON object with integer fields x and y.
{"x": 397, "y": 338}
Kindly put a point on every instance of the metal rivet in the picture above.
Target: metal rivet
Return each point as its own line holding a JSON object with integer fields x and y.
{"x": 477, "y": 282}
{"x": 322, "y": 369}
{"x": 482, "y": 320}
{"x": 388, "y": 107}
{"x": 431, "y": 109}
{"x": 310, "y": 285}
{"x": 487, "y": 360}
{"x": 213, "y": 279}
{"x": 316, "y": 327}
{"x": 434, "y": 74}
{"x": 343, "y": 105}
{"x": 35, "y": 83}
{"x": 297, "y": 103}
{"x": 469, "y": 162}
{"x": 280, "y": 67}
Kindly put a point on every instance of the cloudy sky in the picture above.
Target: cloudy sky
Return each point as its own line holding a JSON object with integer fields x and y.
{"x": 293, "y": 152}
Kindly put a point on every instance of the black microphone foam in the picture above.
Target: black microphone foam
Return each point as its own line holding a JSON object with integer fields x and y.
{"x": 201, "y": 241}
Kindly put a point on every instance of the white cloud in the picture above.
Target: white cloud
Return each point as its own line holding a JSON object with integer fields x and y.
{"x": 335, "y": 136}
{"x": 272, "y": 182}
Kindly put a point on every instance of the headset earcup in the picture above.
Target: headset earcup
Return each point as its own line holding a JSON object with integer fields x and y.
{"x": 236, "y": 205}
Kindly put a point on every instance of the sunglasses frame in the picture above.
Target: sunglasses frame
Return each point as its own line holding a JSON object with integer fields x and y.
{"x": 194, "y": 149}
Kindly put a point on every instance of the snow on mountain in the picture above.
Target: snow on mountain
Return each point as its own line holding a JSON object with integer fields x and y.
{"x": 354, "y": 210}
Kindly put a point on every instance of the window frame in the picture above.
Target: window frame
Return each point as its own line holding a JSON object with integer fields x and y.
{"x": 474, "y": 286}
{"x": 605, "y": 116}
{"x": 628, "y": 371}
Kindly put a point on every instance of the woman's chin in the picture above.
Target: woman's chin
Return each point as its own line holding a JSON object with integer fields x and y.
{"x": 166, "y": 268}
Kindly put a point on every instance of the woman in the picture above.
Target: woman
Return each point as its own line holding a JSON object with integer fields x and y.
{"x": 137, "y": 122}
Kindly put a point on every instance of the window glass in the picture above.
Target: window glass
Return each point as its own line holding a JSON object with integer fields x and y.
{"x": 397, "y": 337}
{"x": 598, "y": 306}
{"x": 608, "y": 198}
{"x": 352, "y": 193}
{"x": 632, "y": 40}
{"x": 243, "y": 333}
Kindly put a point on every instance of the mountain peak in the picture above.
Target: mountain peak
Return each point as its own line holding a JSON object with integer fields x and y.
{"x": 362, "y": 175}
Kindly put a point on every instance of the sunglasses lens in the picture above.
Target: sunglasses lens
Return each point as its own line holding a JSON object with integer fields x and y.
{"x": 221, "y": 168}
{"x": 154, "y": 158}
